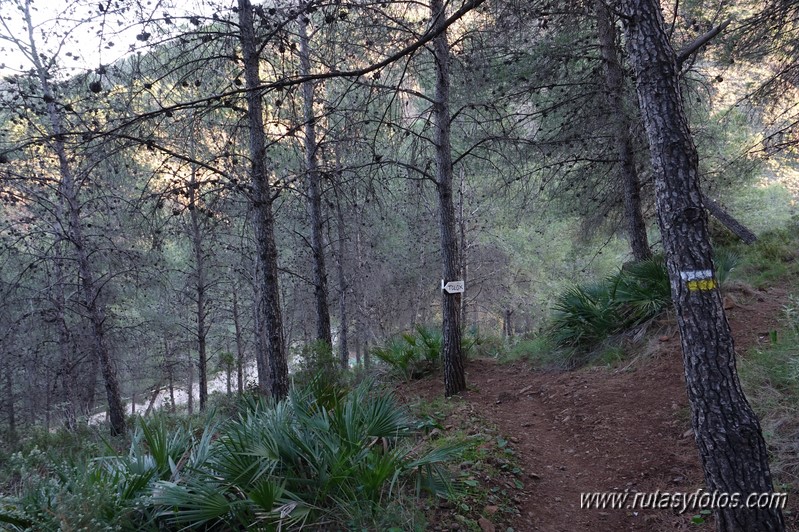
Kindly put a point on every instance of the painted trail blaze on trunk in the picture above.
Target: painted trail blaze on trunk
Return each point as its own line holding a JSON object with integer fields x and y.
{"x": 728, "y": 435}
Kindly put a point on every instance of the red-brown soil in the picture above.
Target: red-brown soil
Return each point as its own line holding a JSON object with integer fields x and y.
{"x": 600, "y": 429}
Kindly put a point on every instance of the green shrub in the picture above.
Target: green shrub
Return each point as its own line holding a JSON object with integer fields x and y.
{"x": 325, "y": 459}
{"x": 295, "y": 463}
{"x": 640, "y": 292}
{"x": 540, "y": 351}
{"x": 489, "y": 346}
{"x": 317, "y": 357}
{"x": 773, "y": 257}
{"x": 104, "y": 493}
{"x": 584, "y": 316}
{"x": 412, "y": 355}
{"x": 320, "y": 370}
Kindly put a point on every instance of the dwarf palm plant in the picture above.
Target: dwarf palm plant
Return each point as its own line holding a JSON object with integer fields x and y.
{"x": 640, "y": 291}
{"x": 107, "y": 493}
{"x": 584, "y": 315}
{"x": 298, "y": 463}
{"x": 415, "y": 354}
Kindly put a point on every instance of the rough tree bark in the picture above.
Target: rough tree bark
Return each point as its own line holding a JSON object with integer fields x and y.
{"x": 454, "y": 375}
{"x": 260, "y": 339}
{"x": 262, "y": 208}
{"x": 68, "y": 192}
{"x": 614, "y": 94}
{"x": 731, "y": 447}
{"x": 313, "y": 192}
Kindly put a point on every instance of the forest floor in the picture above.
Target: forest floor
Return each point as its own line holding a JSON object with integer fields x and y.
{"x": 595, "y": 429}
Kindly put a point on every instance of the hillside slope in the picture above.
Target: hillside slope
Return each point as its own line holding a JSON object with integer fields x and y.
{"x": 599, "y": 429}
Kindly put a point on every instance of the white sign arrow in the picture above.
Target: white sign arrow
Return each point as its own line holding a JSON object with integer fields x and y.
{"x": 453, "y": 287}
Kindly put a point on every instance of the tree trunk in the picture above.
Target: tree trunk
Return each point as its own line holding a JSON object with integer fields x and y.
{"x": 239, "y": 345}
{"x": 172, "y": 405}
{"x": 11, "y": 414}
{"x": 454, "y": 376}
{"x": 190, "y": 396}
{"x": 200, "y": 289}
{"x": 729, "y": 221}
{"x": 344, "y": 350}
{"x": 463, "y": 248}
{"x": 359, "y": 294}
{"x": 89, "y": 395}
{"x": 47, "y": 402}
{"x": 153, "y": 397}
{"x": 262, "y": 207}
{"x": 64, "y": 335}
{"x": 357, "y": 350}
{"x": 731, "y": 447}
{"x": 507, "y": 323}
{"x": 67, "y": 190}
{"x": 313, "y": 193}
{"x": 615, "y": 93}
{"x": 261, "y": 342}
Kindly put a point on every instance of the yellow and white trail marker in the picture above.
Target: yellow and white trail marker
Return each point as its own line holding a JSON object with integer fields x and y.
{"x": 699, "y": 280}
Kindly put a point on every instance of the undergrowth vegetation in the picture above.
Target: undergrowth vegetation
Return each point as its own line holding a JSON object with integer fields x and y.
{"x": 489, "y": 473}
{"x": 770, "y": 377}
{"x": 324, "y": 458}
{"x": 411, "y": 355}
{"x": 773, "y": 258}
{"x": 586, "y": 316}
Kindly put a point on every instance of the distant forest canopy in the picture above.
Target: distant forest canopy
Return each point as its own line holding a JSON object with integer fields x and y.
{"x": 245, "y": 180}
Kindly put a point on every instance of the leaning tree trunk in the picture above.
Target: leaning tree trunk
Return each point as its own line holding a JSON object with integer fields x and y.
{"x": 454, "y": 376}
{"x": 729, "y": 221}
{"x": 731, "y": 447}
{"x": 614, "y": 93}
{"x": 260, "y": 337}
{"x": 314, "y": 193}
{"x": 262, "y": 206}
{"x": 90, "y": 291}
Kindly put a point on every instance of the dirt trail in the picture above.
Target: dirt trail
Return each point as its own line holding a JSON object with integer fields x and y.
{"x": 600, "y": 429}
